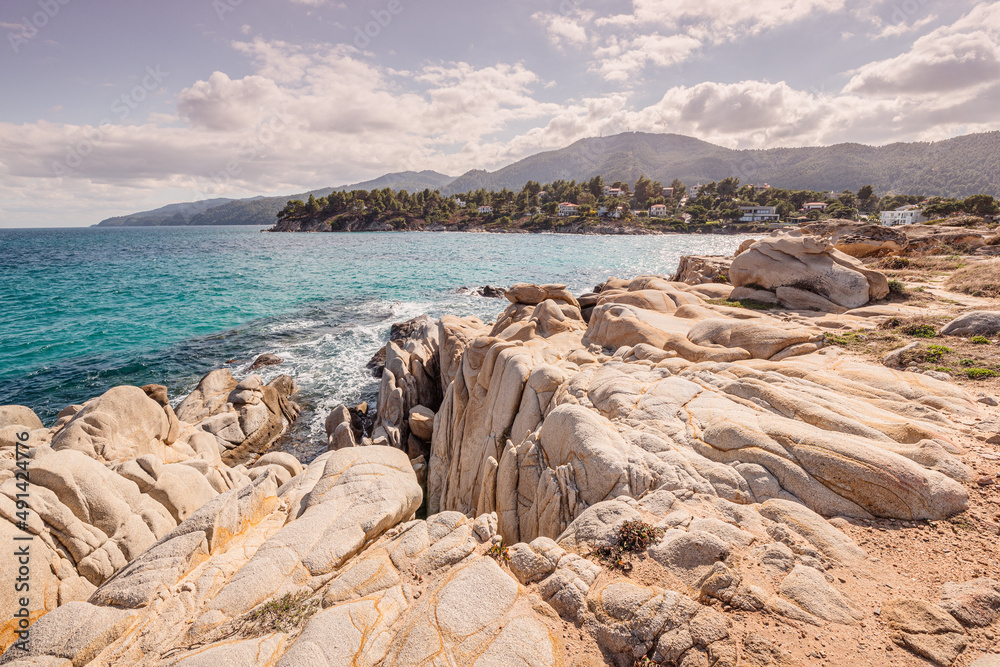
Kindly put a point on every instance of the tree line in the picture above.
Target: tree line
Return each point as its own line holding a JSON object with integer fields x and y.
{"x": 715, "y": 201}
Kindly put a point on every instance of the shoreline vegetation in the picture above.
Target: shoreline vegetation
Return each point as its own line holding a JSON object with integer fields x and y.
{"x": 596, "y": 207}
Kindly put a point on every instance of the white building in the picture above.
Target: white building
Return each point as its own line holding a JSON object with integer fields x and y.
{"x": 486, "y": 209}
{"x": 904, "y": 215}
{"x": 567, "y": 209}
{"x": 612, "y": 192}
{"x": 815, "y": 206}
{"x": 460, "y": 202}
{"x": 658, "y": 211}
{"x": 759, "y": 214}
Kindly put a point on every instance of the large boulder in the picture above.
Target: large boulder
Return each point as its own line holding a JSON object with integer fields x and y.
{"x": 976, "y": 323}
{"x": 701, "y": 269}
{"x": 122, "y": 423}
{"x": 859, "y": 239}
{"x": 19, "y": 415}
{"x": 806, "y": 262}
{"x": 245, "y": 417}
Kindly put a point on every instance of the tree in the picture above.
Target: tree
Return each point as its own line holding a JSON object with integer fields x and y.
{"x": 980, "y": 205}
{"x": 643, "y": 191}
{"x": 847, "y": 198}
{"x": 697, "y": 212}
{"x": 596, "y": 186}
{"x": 313, "y": 205}
{"x": 865, "y": 193}
{"x": 728, "y": 186}
{"x": 679, "y": 188}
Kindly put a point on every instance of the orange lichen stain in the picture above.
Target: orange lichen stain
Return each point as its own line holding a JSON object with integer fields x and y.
{"x": 7, "y": 630}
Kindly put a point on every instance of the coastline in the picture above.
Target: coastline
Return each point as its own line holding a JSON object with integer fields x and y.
{"x": 789, "y": 479}
{"x": 578, "y": 229}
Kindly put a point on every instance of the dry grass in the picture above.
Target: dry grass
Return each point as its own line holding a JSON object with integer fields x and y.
{"x": 981, "y": 280}
{"x": 972, "y": 363}
{"x": 918, "y": 268}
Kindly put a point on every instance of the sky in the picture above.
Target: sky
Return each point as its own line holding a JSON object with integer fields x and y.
{"x": 115, "y": 106}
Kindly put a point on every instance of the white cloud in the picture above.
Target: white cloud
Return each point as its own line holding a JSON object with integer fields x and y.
{"x": 723, "y": 19}
{"x": 902, "y": 27}
{"x": 565, "y": 29}
{"x": 316, "y": 115}
{"x": 665, "y": 33}
{"x": 621, "y": 60}
{"x": 962, "y": 57}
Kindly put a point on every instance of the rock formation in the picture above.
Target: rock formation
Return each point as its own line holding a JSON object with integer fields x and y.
{"x": 245, "y": 417}
{"x": 115, "y": 475}
{"x": 737, "y": 443}
{"x": 810, "y": 271}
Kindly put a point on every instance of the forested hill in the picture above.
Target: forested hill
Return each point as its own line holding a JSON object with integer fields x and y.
{"x": 956, "y": 167}
{"x": 263, "y": 210}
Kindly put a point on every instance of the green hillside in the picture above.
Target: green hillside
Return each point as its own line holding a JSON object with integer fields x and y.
{"x": 955, "y": 167}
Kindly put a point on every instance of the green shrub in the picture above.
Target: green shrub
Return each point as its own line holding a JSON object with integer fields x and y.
{"x": 896, "y": 287}
{"x": 980, "y": 340}
{"x": 633, "y": 537}
{"x": 935, "y": 352}
{"x": 968, "y": 362}
{"x": 920, "y": 331}
{"x": 980, "y": 373}
{"x": 636, "y": 536}
{"x": 499, "y": 552}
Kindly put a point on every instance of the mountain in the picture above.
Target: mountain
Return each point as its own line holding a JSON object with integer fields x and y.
{"x": 956, "y": 167}
{"x": 264, "y": 210}
{"x": 170, "y": 212}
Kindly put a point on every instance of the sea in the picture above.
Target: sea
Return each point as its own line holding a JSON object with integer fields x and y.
{"x": 86, "y": 309}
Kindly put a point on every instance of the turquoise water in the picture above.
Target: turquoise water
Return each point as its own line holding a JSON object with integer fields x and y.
{"x": 82, "y": 310}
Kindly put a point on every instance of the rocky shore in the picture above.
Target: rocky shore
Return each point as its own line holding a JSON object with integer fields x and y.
{"x": 721, "y": 467}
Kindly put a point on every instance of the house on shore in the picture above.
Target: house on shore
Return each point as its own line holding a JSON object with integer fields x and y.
{"x": 566, "y": 209}
{"x": 486, "y": 209}
{"x": 759, "y": 214}
{"x": 815, "y": 206}
{"x": 668, "y": 193}
{"x": 658, "y": 211}
{"x": 612, "y": 192}
{"x": 904, "y": 215}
